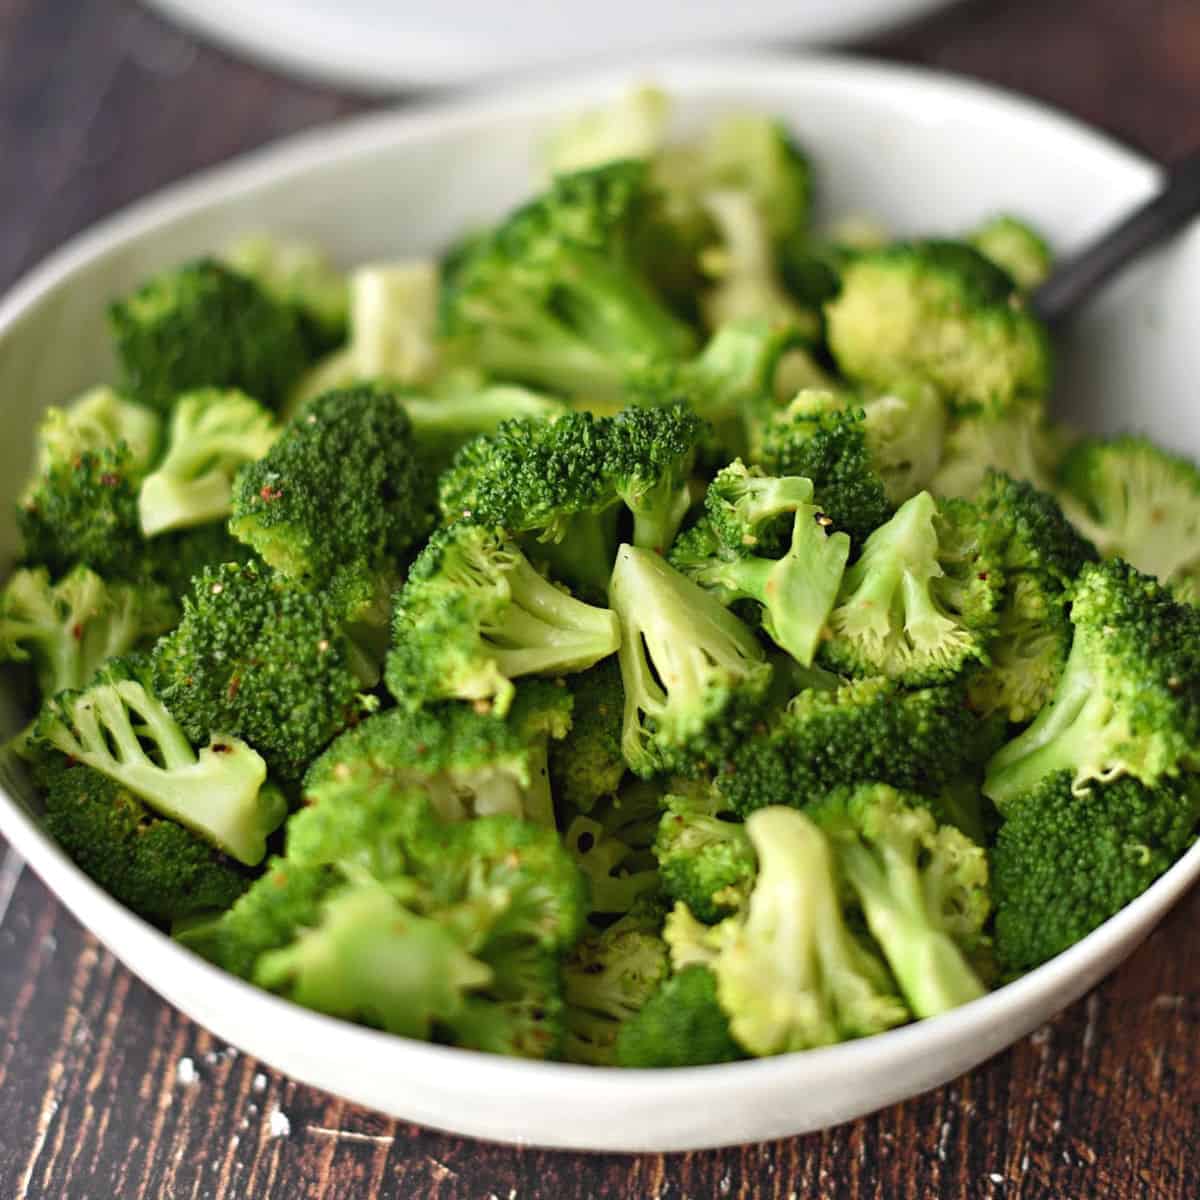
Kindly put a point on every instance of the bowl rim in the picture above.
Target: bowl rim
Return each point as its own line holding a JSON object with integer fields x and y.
{"x": 348, "y": 138}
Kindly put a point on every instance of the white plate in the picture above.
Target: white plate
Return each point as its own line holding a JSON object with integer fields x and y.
{"x": 921, "y": 151}
{"x": 389, "y": 44}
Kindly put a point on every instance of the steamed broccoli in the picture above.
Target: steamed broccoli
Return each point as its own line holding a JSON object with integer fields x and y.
{"x": 586, "y": 765}
{"x": 205, "y": 325}
{"x": 1021, "y": 444}
{"x": 695, "y": 677}
{"x": 219, "y": 793}
{"x": 176, "y": 559}
{"x": 1128, "y": 699}
{"x": 1016, "y": 248}
{"x": 681, "y": 1024}
{"x": 941, "y": 311}
{"x": 474, "y": 615}
{"x": 631, "y": 127}
{"x": 790, "y": 973}
{"x": 923, "y": 889}
{"x": 211, "y": 434}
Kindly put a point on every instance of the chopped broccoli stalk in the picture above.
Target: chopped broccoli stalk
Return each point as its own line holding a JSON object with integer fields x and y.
{"x": 587, "y": 766}
{"x": 1065, "y": 860}
{"x": 259, "y": 658}
{"x": 158, "y": 868}
{"x": 1022, "y": 444}
{"x": 1139, "y": 502}
{"x": 795, "y": 590}
{"x": 694, "y": 676}
{"x": 919, "y": 603}
{"x": 475, "y": 615}
{"x": 393, "y": 319}
{"x": 212, "y": 433}
{"x": 220, "y": 793}
{"x": 791, "y": 974}
{"x": 633, "y": 126}
{"x": 1016, "y": 248}
{"x": 681, "y": 1024}
{"x": 923, "y": 889}
{"x": 940, "y": 311}
{"x": 1126, "y": 702}
{"x": 205, "y": 325}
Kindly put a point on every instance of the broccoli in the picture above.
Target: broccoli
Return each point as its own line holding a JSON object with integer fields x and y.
{"x": 940, "y": 311}
{"x": 872, "y": 729}
{"x": 220, "y": 793}
{"x": 790, "y": 973}
{"x": 259, "y": 658}
{"x": 1066, "y": 860}
{"x": 176, "y": 559}
{"x": 1017, "y": 249}
{"x": 1128, "y": 699}
{"x": 681, "y": 1024}
{"x": 1040, "y": 555}
{"x": 1139, "y": 502}
{"x": 158, "y": 868}
{"x": 695, "y": 677}
{"x": 469, "y": 763}
{"x": 298, "y": 275}
{"x": 795, "y": 588}
{"x": 555, "y": 296}
{"x": 474, "y": 615}
{"x": 205, "y": 325}
{"x": 212, "y": 433}
{"x": 705, "y": 858}
{"x": 923, "y": 889}
{"x": 1021, "y": 444}
{"x": 586, "y": 766}
{"x": 919, "y": 604}
{"x": 340, "y": 496}
{"x": 631, "y": 127}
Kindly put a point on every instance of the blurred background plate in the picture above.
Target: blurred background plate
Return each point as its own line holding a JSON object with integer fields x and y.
{"x": 386, "y": 45}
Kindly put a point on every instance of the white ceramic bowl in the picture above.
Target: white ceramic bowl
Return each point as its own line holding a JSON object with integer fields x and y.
{"x": 922, "y": 152}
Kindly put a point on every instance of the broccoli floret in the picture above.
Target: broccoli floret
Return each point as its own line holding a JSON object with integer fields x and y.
{"x": 469, "y": 763}
{"x": 681, "y": 1024}
{"x": 870, "y": 729}
{"x": 695, "y": 677}
{"x": 818, "y": 437}
{"x": 1023, "y": 445}
{"x": 795, "y": 586}
{"x": 177, "y": 559}
{"x": 340, "y": 494}
{"x": 1040, "y": 555}
{"x": 919, "y": 604}
{"x": 940, "y": 311}
{"x": 586, "y": 766}
{"x": 790, "y": 972}
{"x": 212, "y": 433}
{"x": 220, "y": 793}
{"x": 1016, "y": 248}
{"x": 205, "y": 325}
{"x": 923, "y": 889}
{"x": 153, "y": 865}
{"x": 556, "y": 295}
{"x": 704, "y": 855}
{"x": 633, "y": 126}
{"x": 1128, "y": 699}
{"x": 259, "y": 658}
{"x": 300, "y": 276}
{"x": 1066, "y": 860}
{"x": 1139, "y": 502}
{"x": 474, "y": 615}
{"x": 69, "y": 629}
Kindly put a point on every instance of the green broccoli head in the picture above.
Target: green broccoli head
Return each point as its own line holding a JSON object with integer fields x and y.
{"x": 943, "y": 312}
{"x": 1022, "y": 444}
{"x": 1016, "y": 248}
{"x": 120, "y": 728}
{"x": 695, "y": 677}
{"x": 474, "y": 615}
{"x": 259, "y": 658}
{"x": 212, "y": 433}
{"x": 1066, "y": 860}
{"x": 205, "y": 325}
{"x": 586, "y": 766}
{"x": 923, "y": 889}
{"x": 1139, "y": 502}
{"x": 790, "y": 972}
{"x": 919, "y": 604}
{"x": 1128, "y": 699}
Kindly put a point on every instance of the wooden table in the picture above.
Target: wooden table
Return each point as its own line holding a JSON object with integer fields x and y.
{"x": 108, "y": 1094}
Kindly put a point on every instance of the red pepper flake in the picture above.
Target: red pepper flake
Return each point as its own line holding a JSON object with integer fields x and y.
{"x": 108, "y": 479}
{"x": 77, "y": 631}
{"x": 268, "y": 492}
{"x": 234, "y": 684}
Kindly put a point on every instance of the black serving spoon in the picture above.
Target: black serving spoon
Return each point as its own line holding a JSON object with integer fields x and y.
{"x": 1074, "y": 281}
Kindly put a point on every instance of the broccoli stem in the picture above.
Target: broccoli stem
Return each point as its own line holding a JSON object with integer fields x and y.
{"x": 658, "y": 514}
{"x": 583, "y": 555}
{"x": 169, "y": 501}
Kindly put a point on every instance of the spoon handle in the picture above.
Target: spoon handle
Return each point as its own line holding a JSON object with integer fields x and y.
{"x": 1072, "y": 283}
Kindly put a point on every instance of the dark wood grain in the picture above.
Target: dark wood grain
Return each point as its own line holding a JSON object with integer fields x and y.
{"x": 106, "y": 1093}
